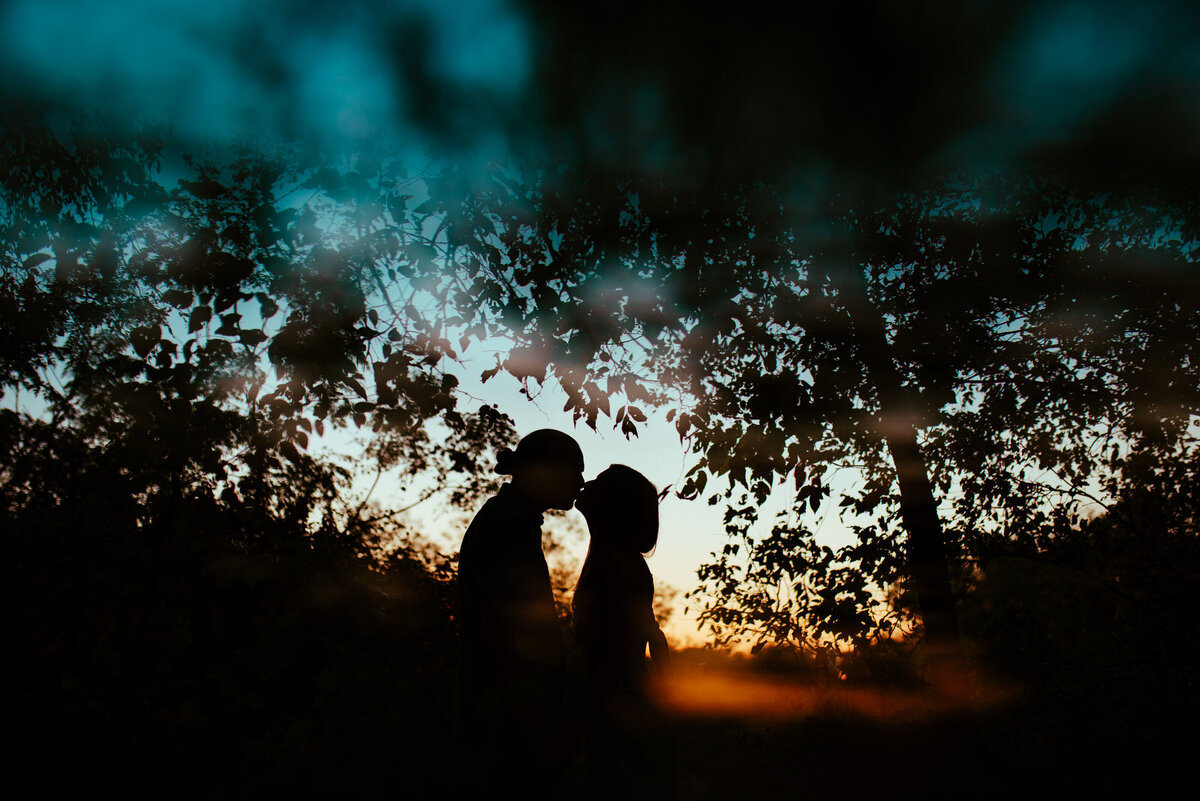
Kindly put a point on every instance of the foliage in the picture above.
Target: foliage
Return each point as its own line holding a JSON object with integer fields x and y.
{"x": 1039, "y": 344}
{"x": 1034, "y": 338}
{"x": 870, "y": 268}
{"x": 223, "y": 643}
{"x": 192, "y": 589}
{"x": 1090, "y": 622}
{"x": 213, "y": 327}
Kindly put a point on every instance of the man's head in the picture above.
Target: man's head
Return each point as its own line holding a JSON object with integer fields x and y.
{"x": 547, "y": 468}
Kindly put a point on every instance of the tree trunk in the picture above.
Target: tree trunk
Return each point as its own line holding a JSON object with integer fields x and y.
{"x": 927, "y": 562}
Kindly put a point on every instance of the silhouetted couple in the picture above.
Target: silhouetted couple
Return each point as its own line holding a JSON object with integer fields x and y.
{"x": 517, "y": 735}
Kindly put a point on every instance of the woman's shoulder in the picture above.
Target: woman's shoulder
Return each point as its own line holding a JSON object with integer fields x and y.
{"x": 623, "y": 570}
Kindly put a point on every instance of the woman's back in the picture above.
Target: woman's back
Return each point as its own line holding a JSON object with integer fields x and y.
{"x": 628, "y": 745}
{"x": 614, "y": 617}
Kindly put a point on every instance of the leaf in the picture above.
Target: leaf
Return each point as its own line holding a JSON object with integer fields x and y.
{"x": 268, "y": 305}
{"x": 229, "y": 325}
{"x": 683, "y": 424}
{"x": 252, "y": 337}
{"x": 35, "y": 260}
{"x": 200, "y": 315}
{"x": 226, "y": 299}
{"x": 636, "y": 391}
{"x": 144, "y": 338}
{"x": 179, "y": 298}
{"x": 205, "y": 189}
{"x": 289, "y": 452}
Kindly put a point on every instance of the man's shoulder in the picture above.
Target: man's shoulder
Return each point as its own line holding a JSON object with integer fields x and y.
{"x": 506, "y": 509}
{"x": 476, "y": 530}
{"x": 493, "y": 527}
{"x": 493, "y": 514}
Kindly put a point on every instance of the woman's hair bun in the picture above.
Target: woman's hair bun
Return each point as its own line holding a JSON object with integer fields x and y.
{"x": 506, "y": 461}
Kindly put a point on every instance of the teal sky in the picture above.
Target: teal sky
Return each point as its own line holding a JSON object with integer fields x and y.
{"x": 438, "y": 75}
{"x": 225, "y": 69}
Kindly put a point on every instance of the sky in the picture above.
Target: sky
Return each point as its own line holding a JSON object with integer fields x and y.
{"x": 690, "y": 530}
{"x": 227, "y": 68}
{"x": 459, "y": 75}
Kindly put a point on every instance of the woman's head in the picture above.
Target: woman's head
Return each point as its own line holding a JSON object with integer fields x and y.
{"x": 621, "y": 507}
{"x": 547, "y": 467}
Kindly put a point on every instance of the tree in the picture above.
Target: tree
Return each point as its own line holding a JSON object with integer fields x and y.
{"x": 841, "y": 283}
{"x": 845, "y": 280}
{"x": 977, "y": 343}
{"x": 147, "y": 316}
{"x": 189, "y": 585}
{"x": 1076, "y": 611}
{"x": 956, "y": 340}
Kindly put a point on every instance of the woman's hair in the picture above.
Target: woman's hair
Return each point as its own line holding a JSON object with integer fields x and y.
{"x": 543, "y": 445}
{"x": 631, "y": 515}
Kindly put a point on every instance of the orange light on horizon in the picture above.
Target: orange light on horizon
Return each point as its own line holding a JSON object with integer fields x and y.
{"x": 723, "y": 693}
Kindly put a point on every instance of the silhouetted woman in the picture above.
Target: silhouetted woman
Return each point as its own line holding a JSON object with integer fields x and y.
{"x": 627, "y": 749}
{"x": 509, "y": 704}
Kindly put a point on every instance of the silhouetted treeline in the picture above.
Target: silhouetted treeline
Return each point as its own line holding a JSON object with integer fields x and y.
{"x": 1092, "y": 626}
{"x": 207, "y": 645}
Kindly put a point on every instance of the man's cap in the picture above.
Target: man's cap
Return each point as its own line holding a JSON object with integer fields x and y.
{"x": 543, "y": 445}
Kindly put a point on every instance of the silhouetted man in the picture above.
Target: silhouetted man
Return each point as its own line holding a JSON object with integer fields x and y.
{"x": 510, "y": 642}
